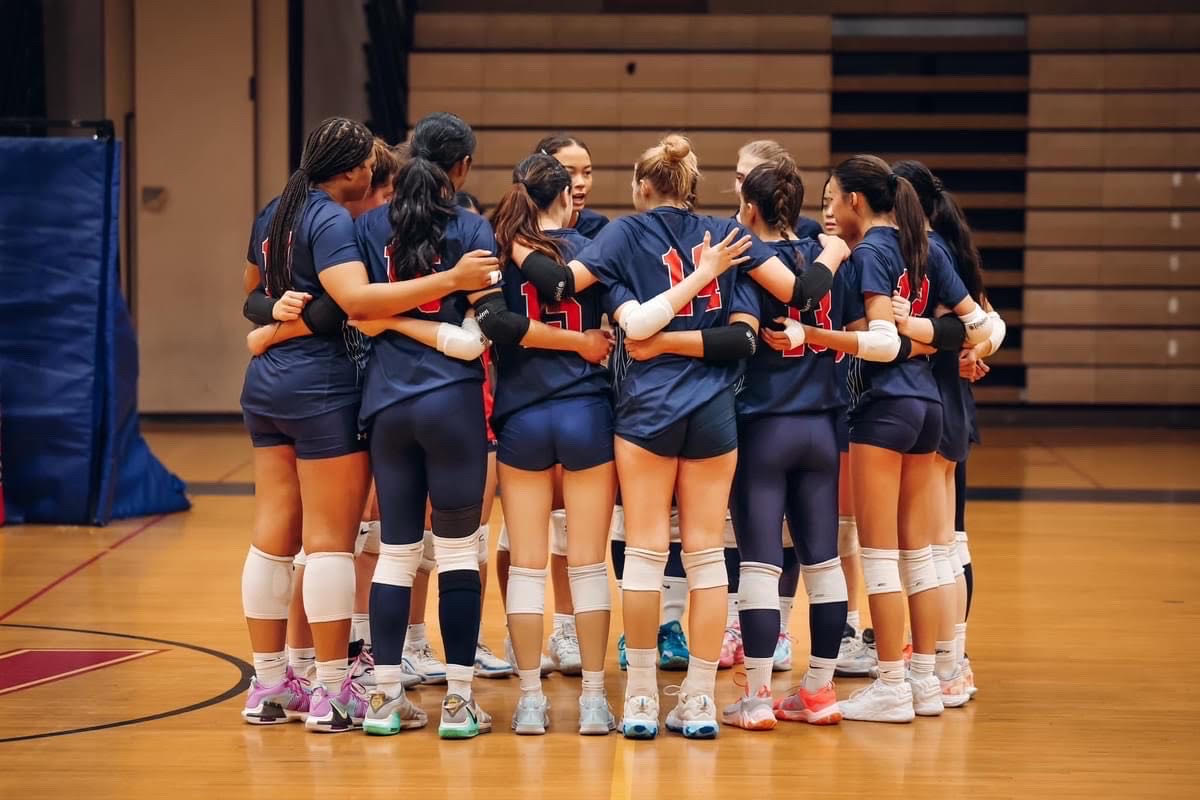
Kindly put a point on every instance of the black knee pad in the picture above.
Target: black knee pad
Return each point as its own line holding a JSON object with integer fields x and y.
{"x": 457, "y": 522}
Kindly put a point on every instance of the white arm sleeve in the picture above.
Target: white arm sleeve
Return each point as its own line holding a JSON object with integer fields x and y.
{"x": 471, "y": 325}
{"x": 996, "y": 337}
{"x": 459, "y": 343}
{"x": 643, "y": 320}
{"x": 880, "y": 342}
{"x": 978, "y": 325}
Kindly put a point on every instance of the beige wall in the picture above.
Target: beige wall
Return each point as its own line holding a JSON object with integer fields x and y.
{"x": 271, "y": 106}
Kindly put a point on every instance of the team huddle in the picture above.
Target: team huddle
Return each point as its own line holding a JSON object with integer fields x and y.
{"x": 721, "y": 405}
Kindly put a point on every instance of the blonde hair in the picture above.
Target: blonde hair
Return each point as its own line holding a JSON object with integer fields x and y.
{"x": 764, "y": 149}
{"x": 671, "y": 168}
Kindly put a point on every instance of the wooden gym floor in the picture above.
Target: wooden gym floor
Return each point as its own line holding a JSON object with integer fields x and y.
{"x": 121, "y": 658}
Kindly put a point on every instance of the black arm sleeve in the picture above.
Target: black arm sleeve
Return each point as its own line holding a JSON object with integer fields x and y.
{"x": 729, "y": 343}
{"x": 905, "y": 350}
{"x": 323, "y": 316}
{"x": 259, "y": 308}
{"x": 811, "y": 285}
{"x": 497, "y": 322}
{"x": 553, "y": 281}
{"x": 949, "y": 333}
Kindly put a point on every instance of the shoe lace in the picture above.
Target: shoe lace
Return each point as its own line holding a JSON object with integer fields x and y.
{"x": 424, "y": 652}
{"x": 483, "y": 650}
{"x": 568, "y": 641}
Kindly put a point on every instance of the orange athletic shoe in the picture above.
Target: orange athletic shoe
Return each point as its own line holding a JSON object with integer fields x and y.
{"x": 817, "y": 708}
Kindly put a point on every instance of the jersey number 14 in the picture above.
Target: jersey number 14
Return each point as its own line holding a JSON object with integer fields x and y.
{"x": 674, "y": 265}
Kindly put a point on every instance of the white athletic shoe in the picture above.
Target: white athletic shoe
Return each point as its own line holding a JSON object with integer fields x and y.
{"x": 488, "y": 665}
{"x": 420, "y": 660}
{"x": 532, "y": 716}
{"x": 547, "y": 665}
{"x": 955, "y": 693}
{"x": 880, "y": 702}
{"x": 927, "y": 695}
{"x": 855, "y": 659}
{"x": 695, "y": 715}
{"x": 641, "y": 717}
{"x": 783, "y": 653}
{"x": 564, "y": 650}
{"x": 595, "y": 717}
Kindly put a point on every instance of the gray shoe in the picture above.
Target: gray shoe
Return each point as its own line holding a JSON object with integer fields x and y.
{"x": 390, "y": 715}
{"x": 595, "y": 717}
{"x": 410, "y": 680}
{"x": 532, "y": 716}
{"x": 462, "y": 718}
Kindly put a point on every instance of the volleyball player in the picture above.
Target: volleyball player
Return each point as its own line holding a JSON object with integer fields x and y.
{"x": 895, "y": 425}
{"x": 761, "y": 151}
{"x": 554, "y": 407}
{"x": 575, "y": 156}
{"x": 300, "y": 403}
{"x": 788, "y": 466}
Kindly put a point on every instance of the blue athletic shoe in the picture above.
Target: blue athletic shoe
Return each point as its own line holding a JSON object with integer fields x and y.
{"x": 622, "y": 661}
{"x": 672, "y": 648}
{"x": 641, "y": 717}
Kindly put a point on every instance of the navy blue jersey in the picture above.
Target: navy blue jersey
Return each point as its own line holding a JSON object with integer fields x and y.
{"x": 880, "y": 269}
{"x": 527, "y": 376}
{"x": 956, "y": 392}
{"x": 803, "y": 379}
{"x": 846, "y": 283}
{"x": 402, "y": 368}
{"x": 590, "y": 223}
{"x": 639, "y": 257}
{"x": 808, "y": 228}
{"x": 308, "y": 375}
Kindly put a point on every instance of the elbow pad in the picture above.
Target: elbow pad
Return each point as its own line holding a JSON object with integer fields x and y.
{"x": 949, "y": 333}
{"x": 729, "y": 343}
{"x": 643, "y": 320}
{"x": 459, "y": 343}
{"x": 553, "y": 281}
{"x": 905, "y": 351}
{"x": 978, "y": 325}
{"x": 880, "y": 342}
{"x": 259, "y": 308}
{"x": 497, "y": 322}
{"x": 811, "y": 285}
{"x": 323, "y": 316}
{"x": 999, "y": 329}
{"x": 471, "y": 325}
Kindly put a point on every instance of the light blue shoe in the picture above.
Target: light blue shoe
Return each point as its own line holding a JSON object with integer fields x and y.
{"x": 595, "y": 717}
{"x": 782, "y": 661}
{"x": 672, "y": 648}
{"x": 532, "y": 716}
{"x": 641, "y": 717}
{"x": 622, "y": 661}
{"x": 695, "y": 716}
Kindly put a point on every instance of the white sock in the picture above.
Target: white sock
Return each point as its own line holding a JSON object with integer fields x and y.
{"x": 785, "y": 612}
{"x": 852, "y": 619}
{"x": 758, "y": 674}
{"x": 593, "y": 682}
{"x": 891, "y": 672}
{"x": 303, "y": 661}
{"x": 922, "y": 664}
{"x": 731, "y": 610}
{"x": 389, "y": 679}
{"x": 270, "y": 668}
{"x": 820, "y": 673}
{"x": 531, "y": 680}
{"x": 674, "y": 598}
{"x": 332, "y": 674}
{"x": 642, "y": 673}
{"x": 944, "y": 661}
{"x": 960, "y": 641}
{"x": 701, "y": 677}
{"x": 458, "y": 680}
{"x": 416, "y": 635}
{"x": 360, "y": 628}
{"x": 560, "y": 620}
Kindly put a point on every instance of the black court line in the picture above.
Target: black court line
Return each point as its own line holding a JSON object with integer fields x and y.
{"x": 982, "y": 493}
{"x": 246, "y": 672}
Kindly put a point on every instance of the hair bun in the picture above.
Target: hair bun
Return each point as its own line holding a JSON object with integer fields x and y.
{"x": 676, "y": 147}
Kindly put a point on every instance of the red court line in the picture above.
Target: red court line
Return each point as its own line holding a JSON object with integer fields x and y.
{"x": 145, "y": 526}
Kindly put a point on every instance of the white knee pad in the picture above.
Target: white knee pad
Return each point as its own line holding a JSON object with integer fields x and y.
{"x": 705, "y": 569}
{"x": 847, "y": 537}
{"x": 398, "y": 564}
{"x": 881, "y": 570}
{"x": 758, "y": 586}
{"x": 788, "y": 542}
{"x": 368, "y": 538}
{"x": 428, "y": 561}
{"x": 558, "y": 532}
{"x": 644, "y": 570}
{"x": 483, "y": 533}
{"x": 329, "y": 587}
{"x": 616, "y": 528}
{"x": 526, "y": 591}
{"x": 918, "y": 573}
{"x": 502, "y": 544}
{"x": 730, "y": 536}
{"x": 956, "y": 565}
{"x": 964, "y": 552}
{"x": 298, "y": 560}
{"x": 941, "y": 564}
{"x": 589, "y": 588}
{"x": 825, "y": 582}
{"x": 266, "y": 585}
{"x": 674, "y": 535}
{"x": 453, "y": 553}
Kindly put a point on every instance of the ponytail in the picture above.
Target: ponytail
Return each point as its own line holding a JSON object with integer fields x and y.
{"x": 910, "y": 219}
{"x": 419, "y": 212}
{"x": 947, "y": 219}
{"x": 537, "y": 183}
{"x": 777, "y": 190}
{"x": 335, "y": 146}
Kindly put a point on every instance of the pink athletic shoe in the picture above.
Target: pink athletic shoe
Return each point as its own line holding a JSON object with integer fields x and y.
{"x": 340, "y": 712}
{"x": 732, "y": 651}
{"x": 274, "y": 705}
